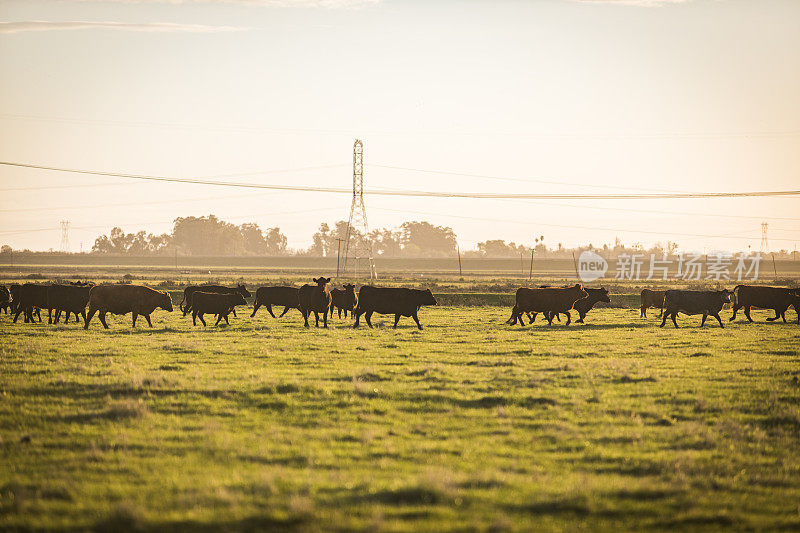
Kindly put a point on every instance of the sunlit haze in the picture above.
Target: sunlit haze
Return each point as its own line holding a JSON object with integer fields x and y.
{"x": 546, "y": 96}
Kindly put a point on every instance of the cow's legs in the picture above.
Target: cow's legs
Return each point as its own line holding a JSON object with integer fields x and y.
{"x": 256, "y": 305}
{"x": 38, "y": 313}
{"x": 705, "y": 315}
{"x": 88, "y": 317}
{"x": 549, "y": 316}
{"x": 358, "y": 317}
{"x": 339, "y": 310}
{"x": 325, "y": 317}
{"x": 416, "y": 319}
{"x": 569, "y": 318}
{"x": 285, "y": 310}
{"x": 581, "y": 315}
{"x": 661, "y": 313}
{"x": 643, "y": 312}
{"x": 102, "y": 317}
{"x": 202, "y": 320}
{"x": 232, "y": 311}
{"x": 532, "y": 318}
{"x": 368, "y": 318}
{"x": 306, "y": 313}
{"x": 396, "y": 320}
{"x": 674, "y": 314}
{"x": 135, "y": 316}
{"x": 719, "y": 320}
{"x": 49, "y": 315}
{"x": 219, "y": 317}
{"x": 747, "y": 313}
{"x": 774, "y": 318}
{"x": 269, "y": 310}
{"x": 735, "y": 309}
{"x": 16, "y": 316}
{"x": 316, "y": 317}
{"x": 663, "y": 320}
{"x": 147, "y": 317}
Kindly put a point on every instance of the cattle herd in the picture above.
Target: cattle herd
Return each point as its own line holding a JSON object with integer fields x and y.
{"x": 74, "y": 298}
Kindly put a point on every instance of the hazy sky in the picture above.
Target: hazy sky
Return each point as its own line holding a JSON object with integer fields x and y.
{"x": 550, "y": 95}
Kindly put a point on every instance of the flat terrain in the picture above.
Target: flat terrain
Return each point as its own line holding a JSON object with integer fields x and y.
{"x": 467, "y": 425}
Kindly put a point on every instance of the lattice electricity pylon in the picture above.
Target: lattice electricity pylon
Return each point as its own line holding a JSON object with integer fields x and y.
{"x": 64, "y": 236}
{"x": 356, "y": 246}
{"x": 764, "y": 241}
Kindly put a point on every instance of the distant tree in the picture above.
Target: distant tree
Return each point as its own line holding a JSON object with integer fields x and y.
{"x": 5, "y": 249}
{"x": 275, "y": 242}
{"x": 423, "y": 238}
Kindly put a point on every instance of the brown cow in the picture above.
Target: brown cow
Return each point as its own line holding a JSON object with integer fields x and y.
{"x": 652, "y": 299}
{"x": 550, "y": 301}
{"x": 776, "y": 298}
{"x": 124, "y": 299}
{"x": 220, "y": 304}
{"x": 397, "y": 301}
{"x": 288, "y": 297}
{"x": 344, "y": 300}
{"x": 315, "y": 299}
{"x": 706, "y": 303}
{"x": 30, "y": 298}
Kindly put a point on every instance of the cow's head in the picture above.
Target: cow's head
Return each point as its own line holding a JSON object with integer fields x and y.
{"x": 427, "y": 298}
{"x": 165, "y": 302}
{"x": 322, "y": 281}
{"x": 602, "y": 295}
{"x": 349, "y": 288}
{"x": 725, "y": 295}
{"x": 795, "y": 294}
{"x": 579, "y": 288}
{"x": 237, "y": 299}
{"x": 241, "y": 289}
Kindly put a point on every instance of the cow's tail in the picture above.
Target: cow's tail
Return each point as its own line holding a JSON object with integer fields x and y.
{"x": 735, "y": 295}
{"x": 514, "y": 311}
{"x": 180, "y": 305}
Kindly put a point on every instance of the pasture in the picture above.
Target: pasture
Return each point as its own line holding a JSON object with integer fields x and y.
{"x": 467, "y": 425}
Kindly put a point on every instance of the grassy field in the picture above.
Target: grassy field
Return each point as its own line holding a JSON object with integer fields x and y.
{"x": 467, "y": 425}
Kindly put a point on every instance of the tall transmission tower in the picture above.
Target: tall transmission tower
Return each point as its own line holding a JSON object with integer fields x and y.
{"x": 764, "y": 241}
{"x": 356, "y": 246}
{"x": 64, "y": 236}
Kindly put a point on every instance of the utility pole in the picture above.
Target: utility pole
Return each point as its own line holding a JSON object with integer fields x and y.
{"x": 338, "y": 253}
{"x": 458, "y": 250}
{"x": 357, "y": 223}
{"x": 530, "y": 274}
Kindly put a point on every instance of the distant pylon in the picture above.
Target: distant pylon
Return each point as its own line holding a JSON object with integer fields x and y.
{"x": 64, "y": 236}
{"x": 356, "y": 246}
{"x": 764, "y": 241}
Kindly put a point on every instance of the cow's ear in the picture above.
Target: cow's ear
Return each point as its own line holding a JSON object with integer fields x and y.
{"x": 315, "y": 280}
{"x": 327, "y": 280}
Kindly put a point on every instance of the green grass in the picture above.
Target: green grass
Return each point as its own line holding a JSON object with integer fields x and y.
{"x": 467, "y": 425}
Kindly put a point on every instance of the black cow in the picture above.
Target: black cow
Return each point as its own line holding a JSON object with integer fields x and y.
{"x": 186, "y": 303}
{"x": 776, "y": 298}
{"x": 30, "y": 298}
{"x": 550, "y": 301}
{"x": 584, "y": 305}
{"x": 391, "y": 301}
{"x": 288, "y": 297}
{"x": 5, "y": 299}
{"x": 68, "y": 299}
{"x": 220, "y": 304}
{"x": 344, "y": 299}
{"x": 316, "y": 299}
{"x": 706, "y": 303}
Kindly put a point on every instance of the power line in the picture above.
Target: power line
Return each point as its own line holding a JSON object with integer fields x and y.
{"x": 420, "y": 194}
{"x": 521, "y": 180}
